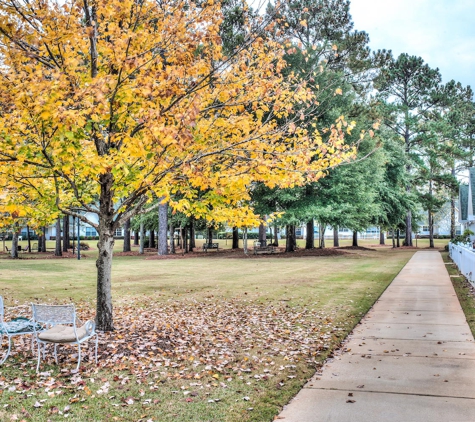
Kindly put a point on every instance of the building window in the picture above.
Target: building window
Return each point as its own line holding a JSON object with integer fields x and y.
{"x": 298, "y": 232}
{"x": 91, "y": 231}
{"x": 425, "y": 228}
{"x": 118, "y": 232}
{"x": 343, "y": 230}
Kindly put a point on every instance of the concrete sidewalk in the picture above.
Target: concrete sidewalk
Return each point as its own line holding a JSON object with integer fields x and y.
{"x": 412, "y": 358}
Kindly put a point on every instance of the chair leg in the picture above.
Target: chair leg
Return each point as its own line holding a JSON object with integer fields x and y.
{"x": 9, "y": 348}
{"x": 56, "y": 353}
{"x": 39, "y": 356}
{"x": 79, "y": 356}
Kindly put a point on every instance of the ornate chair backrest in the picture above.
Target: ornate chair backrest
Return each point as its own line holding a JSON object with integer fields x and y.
{"x": 54, "y": 314}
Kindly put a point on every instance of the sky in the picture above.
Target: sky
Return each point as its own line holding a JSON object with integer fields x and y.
{"x": 442, "y": 32}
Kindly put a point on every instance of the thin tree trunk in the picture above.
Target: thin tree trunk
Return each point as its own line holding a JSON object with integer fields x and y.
{"x": 210, "y": 235}
{"x": 262, "y": 234}
{"x": 336, "y": 239}
{"x": 452, "y": 210}
{"x": 14, "y": 251}
{"x": 127, "y": 247}
{"x": 310, "y": 240}
{"x": 172, "y": 239}
{"x": 28, "y": 239}
{"x": 185, "y": 239}
{"x": 355, "y": 238}
{"x": 152, "y": 239}
{"x": 393, "y": 239}
{"x": 105, "y": 245}
{"x": 43, "y": 240}
{"x": 397, "y": 239}
{"x": 321, "y": 234}
{"x": 276, "y": 235}
{"x": 192, "y": 234}
{"x": 408, "y": 238}
{"x": 235, "y": 238}
{"x": 136, "y": 238}
{"x": 65, "y": 233}
{"x": 57, "y": 251}
{"x": 142, "y": 239}
{"x": 162, "y": 227}
{"x": 244, "y": 240}
{"x": 381, "y": 236}
{"x": 290, "y": 238}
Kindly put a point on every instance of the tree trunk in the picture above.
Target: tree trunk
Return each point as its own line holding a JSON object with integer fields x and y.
{"x": 310, "y": 241}
{"x": 57, "y": 250}
{"x": 136, "y": 238}
{"x": 65, "y": 233}
{"x": 14, "y": 251}
{"x": 184, "y": 236}
{"x": 276, "y": 235}
{"x": 127, "y": 236}
{"x": 235, "y": 238}
{"x": 321, "y": 235}
{"x": 28, "y": 239}
{"x": 244, "y": 240}
{"x": 393, "y": 238}
{"x": 431, "y": 230}
{"x": 408, "y": 239}
{"x": 192, "y": 234}
{"x": 142, "y": 239}
{"x": 452, "y": 210}
{"x": 105, "y": 245}
{"x": 381, "y": 236}
{"x": 162, "y": 228}
{"x": 172, "y": 239}
{"x": 43, "y": 240}
{"x": 210, "y": 235}
{"x": 336, "y": 239}
{"x": 262, "y": 234}
{"x": 152, "y": 239}
{"x": 290, "y": 245}
{"x": 355, "y": 238}
{"x": 397, "y": 239}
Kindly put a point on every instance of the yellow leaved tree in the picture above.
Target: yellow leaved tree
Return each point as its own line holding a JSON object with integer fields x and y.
{"x": 106, "y": 103}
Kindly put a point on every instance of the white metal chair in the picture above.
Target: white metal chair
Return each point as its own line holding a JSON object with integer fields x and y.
{"x": 59, "y": 322}
{"x": 19, "y": 326}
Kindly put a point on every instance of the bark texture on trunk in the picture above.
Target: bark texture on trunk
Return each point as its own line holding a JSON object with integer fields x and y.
{"x": 151, "y": 239}
{"x": 43, "y": 240}
{"x": 192, "y": 234}
{"x": 336, "y": 239}
{"x": 408, "y": 238}
{"x": 127, "y": 246}
{"x": 452, "y": 211}
{"x": 57, "y": 250}
{"x": 431, "y": 230}
{"x": 28, "y": 239}
{"x": 136, "y": 238}
{"x": 355, "y": 238}
{"x": 397, "y": 239}
{"x": 235, "y": 238}
{"x": 65, "y": 233}
{"x": 210, "y": 235}
{"x": 104, "y": 315}
{"x": 262, "y": 234}
{"x": 381, "y": 237}
{"x": 393, "y": 239}
{"x": 309, "y": 240}
{"x": 276, "y": 235}
{"x": 162, "y": 228}
{"x": 291, "y": 242}
{"x": 172, "y": 239}
{"x": 14, "y": 251}
{"x": 142, "y": 239}
{"x": 321, "y": 236}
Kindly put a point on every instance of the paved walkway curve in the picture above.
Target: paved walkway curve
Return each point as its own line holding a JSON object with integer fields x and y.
{"x": 412, "y": 358}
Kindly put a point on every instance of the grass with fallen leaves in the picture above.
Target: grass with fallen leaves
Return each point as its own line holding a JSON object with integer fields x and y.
{"x": 196, "y": 339}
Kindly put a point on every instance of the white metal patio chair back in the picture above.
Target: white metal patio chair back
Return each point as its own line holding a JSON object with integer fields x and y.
{"x": 60, "y": 328}
{"x": 16, "y": 327}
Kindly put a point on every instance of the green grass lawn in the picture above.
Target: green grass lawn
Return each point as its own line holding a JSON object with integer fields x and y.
{"x": 245, "y": 333}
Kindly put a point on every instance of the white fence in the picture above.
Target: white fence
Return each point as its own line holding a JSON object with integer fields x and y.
{"x": 464, "y": 257}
